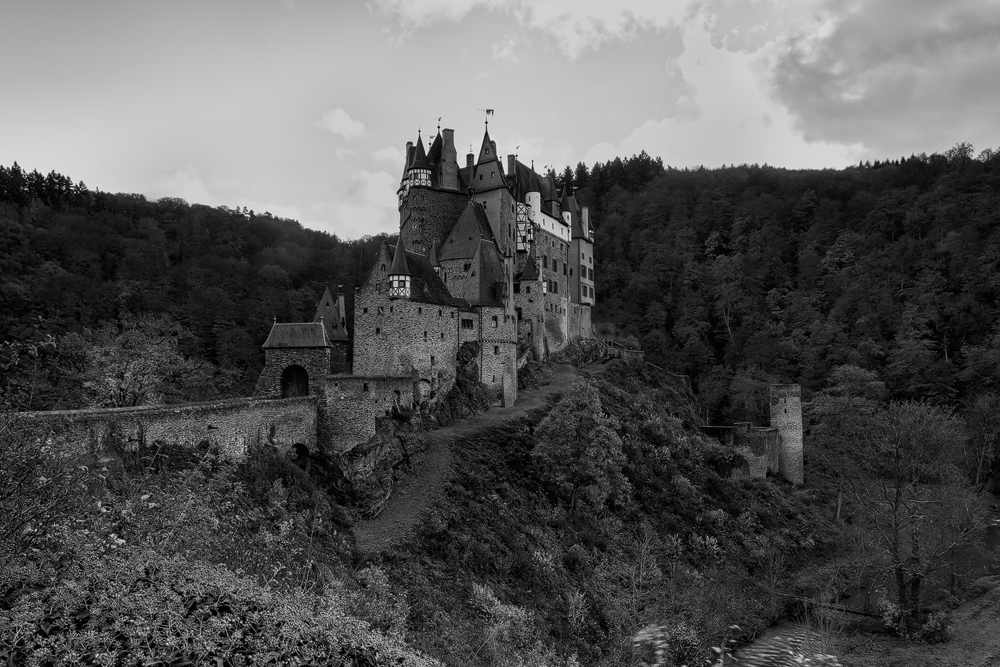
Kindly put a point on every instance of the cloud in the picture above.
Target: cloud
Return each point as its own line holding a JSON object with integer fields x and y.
{"x": 898, "y": 76}
{"x": 576, "y": 26}
{"x": 367, "y": 207}
{"x": 391, "y": 157}
{"x": 187, "y": 183}
{"x": 705, "y": 127}
{"x": 506, "y": 50}
{"x": 337, "y": 121}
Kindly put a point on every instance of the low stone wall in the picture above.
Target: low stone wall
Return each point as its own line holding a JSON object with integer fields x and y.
{"x": 232, "y": 425}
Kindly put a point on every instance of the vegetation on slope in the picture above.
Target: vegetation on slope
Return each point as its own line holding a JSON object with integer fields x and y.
{"x": 548, "y": 546}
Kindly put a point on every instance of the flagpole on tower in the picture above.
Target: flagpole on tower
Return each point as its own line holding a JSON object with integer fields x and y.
{"x": 489, "y": 112}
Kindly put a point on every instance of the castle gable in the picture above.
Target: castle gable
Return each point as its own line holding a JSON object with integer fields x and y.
{"x": 330, "y": 312}
{"x": 472, "y": 228}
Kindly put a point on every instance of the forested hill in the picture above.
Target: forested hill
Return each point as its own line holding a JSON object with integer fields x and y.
{"x": 735, "y": 276}
{"x": 71, "y": 258}
{"x": 743, "y": 274}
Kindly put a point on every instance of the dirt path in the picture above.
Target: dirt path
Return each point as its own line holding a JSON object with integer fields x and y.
{"x": 419, "y": 491}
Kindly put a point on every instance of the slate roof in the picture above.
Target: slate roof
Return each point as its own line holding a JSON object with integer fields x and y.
{"x": 296, "y": 335}
{"x": 420, "y": 160}
{"x": 489, "y": 272}
{"x": 530, "y": 271}
{"x": 472, "y": 227}
{"x": 425, "y": 284}
{"x": 399, "y": 265}
{"x": 328, "y": 310}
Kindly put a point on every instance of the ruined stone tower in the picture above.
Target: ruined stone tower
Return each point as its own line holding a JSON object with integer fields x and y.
{"x": 786, "y": 417}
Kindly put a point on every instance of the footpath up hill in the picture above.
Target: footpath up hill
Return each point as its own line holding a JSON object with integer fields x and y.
{"x": 419, "y": 491}
{"x": 562, "y": 528}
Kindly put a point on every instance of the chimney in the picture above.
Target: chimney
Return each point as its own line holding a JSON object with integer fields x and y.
{"x": 449, "y": 161}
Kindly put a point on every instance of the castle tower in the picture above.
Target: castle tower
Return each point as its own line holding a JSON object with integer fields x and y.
{"x": 786, "y": 416}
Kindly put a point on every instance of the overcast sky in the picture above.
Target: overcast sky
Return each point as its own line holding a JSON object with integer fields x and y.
{"x": 303, "y": 107}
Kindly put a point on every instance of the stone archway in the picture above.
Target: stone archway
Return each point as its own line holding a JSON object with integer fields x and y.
{"x": 294, "y": 382}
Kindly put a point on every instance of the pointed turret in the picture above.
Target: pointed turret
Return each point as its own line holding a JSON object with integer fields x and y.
{"x": 399, "y": 273}
{"x": 489, "y": 170}
{"x": 418, "y": 173}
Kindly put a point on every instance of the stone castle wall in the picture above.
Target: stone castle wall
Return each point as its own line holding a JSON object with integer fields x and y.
{"x": 232, "y": 425}
{"x": 499, "y": 354}
{"x": 428, "y": 215}
{"x": 394, "y": 337}
{"x": 315, "y": 361}
{"x": 352, "y": 406}
{"x": 786, "y": 417}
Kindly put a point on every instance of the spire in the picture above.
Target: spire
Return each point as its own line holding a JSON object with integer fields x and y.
{"x": 420, "y": 157}
{"x": 399, "y": 266}
{"x": 399, "y": 273}
{"x": 488, "y": 150}
{"x": 564, "y": 200}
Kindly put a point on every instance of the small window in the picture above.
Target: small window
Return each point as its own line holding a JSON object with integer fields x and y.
{"x": 467, "y": 323}
{"x": 527, "y": 289}
{"x": 420, "y": 311}
{"x": 496, "y": 349}
{"x": 493, "y": 174}
{"x": 440, "y": 312}
{"x": 377, "y": 331}
{"x": 555, "y": 265}
{"x": 571, "y": 272}
{"x": 496, "y": 321}
{"x": 364, "y": 310}
{"x": 466, "y": 266}
{"x": 480, "y": 177}
{"x": 432, "y": 360}
{"x": 365, "y": 387}
{"x": 425, "y": 335}
{"x": 381, "y": 311}
{"x": 390, "y": 309}
{"x": 442, "y": 335}
{"x": 453, "y": 315}
{"x": 517, "y": 288}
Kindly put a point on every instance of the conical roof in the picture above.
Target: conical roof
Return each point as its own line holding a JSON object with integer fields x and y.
{"x": 487, "y": 152}
{"x": 399, "y": 266}
{"x": 530, "y": 270}
{"x": 420, "y": 160}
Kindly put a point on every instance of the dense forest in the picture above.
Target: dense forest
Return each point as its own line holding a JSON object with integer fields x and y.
{"x": 733, "y": 276}
{"x": 752, "y": 272}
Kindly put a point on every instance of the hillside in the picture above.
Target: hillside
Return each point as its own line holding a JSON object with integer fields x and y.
{"x": 520, "y": 559}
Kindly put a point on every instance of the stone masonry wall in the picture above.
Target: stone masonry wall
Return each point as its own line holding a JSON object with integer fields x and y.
{"x": 428, "y": 215}
{"x": 786, "y": 417}
{"x": 394, "y": 337}
{"x": 499, "y": 354}
{"x": 233, "y": 425}
{"x": 352, "y": 405}
{"x": 315, "y": 361}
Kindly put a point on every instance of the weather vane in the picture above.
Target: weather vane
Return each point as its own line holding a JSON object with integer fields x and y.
{"x": 489, "y": 112}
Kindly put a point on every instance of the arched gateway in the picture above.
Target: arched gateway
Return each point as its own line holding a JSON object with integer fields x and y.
{"x": 294, "y": 382}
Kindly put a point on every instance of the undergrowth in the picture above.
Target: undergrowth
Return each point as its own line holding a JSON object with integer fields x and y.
{"x": 572, "y": 569}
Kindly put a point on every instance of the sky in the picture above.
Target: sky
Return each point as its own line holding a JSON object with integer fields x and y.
{"x": 303, "y": 108}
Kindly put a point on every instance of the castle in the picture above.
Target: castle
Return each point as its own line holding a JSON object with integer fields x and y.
{"x": 488, "y": 253}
